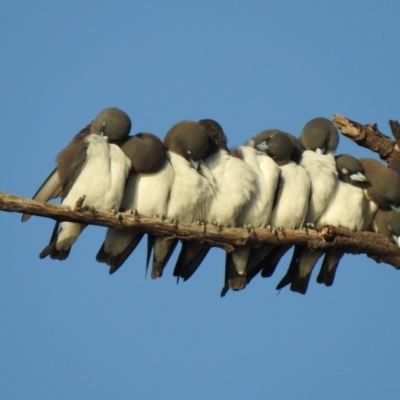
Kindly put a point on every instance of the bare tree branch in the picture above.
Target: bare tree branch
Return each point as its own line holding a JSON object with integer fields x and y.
{"x": 370, "y": 137}
{"x": 373, "y": 245}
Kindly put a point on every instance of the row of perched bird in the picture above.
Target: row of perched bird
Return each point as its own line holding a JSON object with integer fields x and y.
{"x": 275, "y": 180}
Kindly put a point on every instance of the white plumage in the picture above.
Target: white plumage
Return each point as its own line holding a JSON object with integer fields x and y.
{"x": 148, "y": 195}
{"x": 292, "y": 198}
{"x": 257, "y": 212}
{"x": 192, "y": 191}
{"x": 101, "y": 180}
{"x": 236, "y": 183}
{"x": 321, "y": 168}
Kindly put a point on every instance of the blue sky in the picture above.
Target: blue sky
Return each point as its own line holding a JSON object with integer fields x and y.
{"x": 68, "y": 329}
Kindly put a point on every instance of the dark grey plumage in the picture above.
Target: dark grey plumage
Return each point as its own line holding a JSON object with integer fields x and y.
{"x": 320, "y": 135}
{"x": 297, "y": 149}
{"x": 384, "y": 188}
{"x": 387, "y": 222}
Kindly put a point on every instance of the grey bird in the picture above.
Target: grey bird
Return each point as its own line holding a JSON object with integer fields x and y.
{"x": 89, "y": 166}
{"x": 291, "y": 200}
{"x": 298, "y": 148}
{"x": 147, "y": 192}
{"x": 236, "y": 184}
{"x": 111, "y": 122}
{"x": 256, "y": 213}
{"x": 192, "y": 190}
{"x": 319, "y": 138}
{"x": 387, "y": 222}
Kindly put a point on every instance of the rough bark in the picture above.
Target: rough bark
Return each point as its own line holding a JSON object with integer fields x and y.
{"x": 373, "y": 245}
{"x": 370, "y": 137}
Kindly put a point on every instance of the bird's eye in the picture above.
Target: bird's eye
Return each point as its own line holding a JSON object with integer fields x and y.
{"x": 345, "y": 171}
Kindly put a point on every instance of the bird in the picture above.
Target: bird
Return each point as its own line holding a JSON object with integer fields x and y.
{"x": 111, "y": 122}
{"x": 384, "y": 189}
{"x": 365, "y": 185}
{"x": 236, "y": 184}
{"x": 387, "y": 222}
{"x": 291, "y": 199}
{"x": 257, "y": 212}
{"x": 192, "y": 190}
{"x": 147, "y": 191}
{"x": 91, "y": 167}
{"x": 349, "y": 208}
{"x": 298, "y": 148}
{"x": 319, "y": 138}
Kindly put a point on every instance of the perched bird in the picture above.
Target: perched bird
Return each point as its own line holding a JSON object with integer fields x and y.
{"x": 257, "y": 212}
{"x": 365, "y": 185}
{"x": 111, "y": 122}
{"x": 291, "y": 199}
{"x": 298, "y": 148}
{"x": 147, "y": 191}
{"x": 387, "y": 222}
{"x": 319, "y": 138}
{"x": 193, "y": 187}
{"x": 89, "y": 166}
{"x": 384, "y": 188}
{"x": 236, "y": 184}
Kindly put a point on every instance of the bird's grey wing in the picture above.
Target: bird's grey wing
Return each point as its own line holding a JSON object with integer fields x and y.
{"x": 50, "y": 189}
{"x": 292, "y": 270}
{"x": 162, "y": 252}
{"x": 191, "y": 256}
{"x": 273, "y": 259}
{"x": 115, "y": 261}
{"x": 73, "y": 171}
{"x": 329, "y": 266}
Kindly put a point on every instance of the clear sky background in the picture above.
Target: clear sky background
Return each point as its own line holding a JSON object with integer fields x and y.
{"x": 68, "y": 330}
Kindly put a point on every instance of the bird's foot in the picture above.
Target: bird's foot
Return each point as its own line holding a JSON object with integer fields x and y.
{"x": 162, "y": 217}
{"x": 249, "y": 228}
{"x": 218, "y": 226}
{"x": 79, "y": 203}
{"x": 118, "y": 214}
{"x": 134, "y": 212}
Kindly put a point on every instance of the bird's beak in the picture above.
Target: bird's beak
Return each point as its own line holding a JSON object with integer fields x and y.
{"x": 358, "y": 177}
{"x": 394, "y": 208}
{"x": 262, "y": 146}
{"x": 194, "y": 164}
{"x": 396, "y": 240}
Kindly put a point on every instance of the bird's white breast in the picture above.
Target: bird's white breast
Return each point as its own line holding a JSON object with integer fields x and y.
{"x": 148, "y": 193}
{"x": 348, "y": 208}
{"x": 292, "y": 202}
{"x": 191, "y": 192}
{"x": 236, "y": 183}
{"x": 257, "y": 211}
{"x": 102, "y": 178}
{"x": 323, "y": 174}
